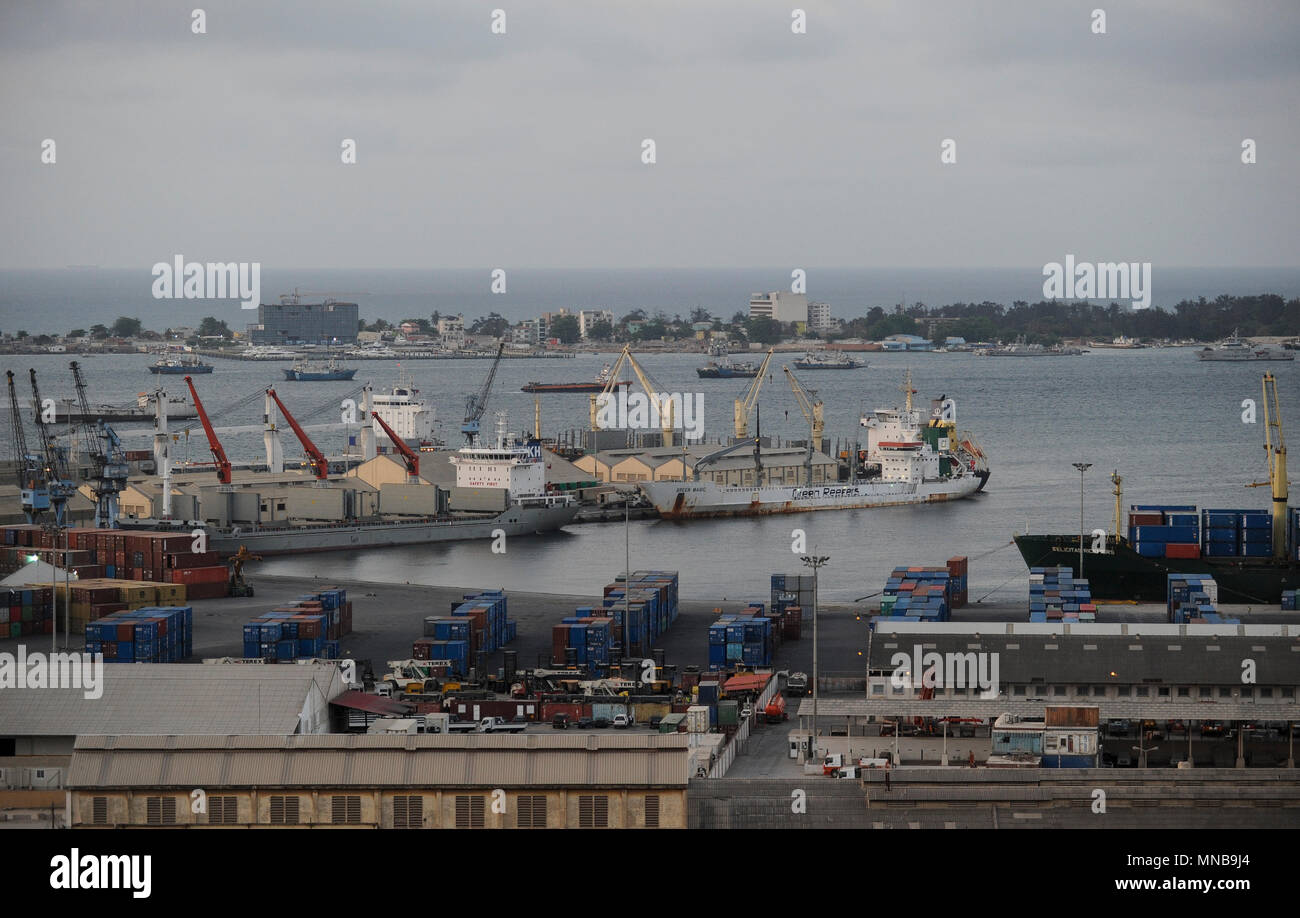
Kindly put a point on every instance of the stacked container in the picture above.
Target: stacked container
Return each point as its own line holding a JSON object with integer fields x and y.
{"x": 1190, "y": 598}
{"x": 1164, "y": 531}
{"x": 26, "y": 611}
{"x": 489, "y": 630}
{"x": 292, "y": 632}
{"x": 746, "y": 638}
{"x": 586, "y": 641}
{"x": 1289, "y": 600}
{"x": 959, "y": 572}
{"x": 1055, "y": 595}
{"x": 1237, "y": 533}
{"x": 918, "y": 594}
{"x": 149, "y": 635}
{"x": 648, "y": 603}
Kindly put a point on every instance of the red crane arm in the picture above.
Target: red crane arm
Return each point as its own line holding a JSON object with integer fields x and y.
{"x": 316, "y": 459}
{"x": 223, "y": 464}
{"x": 408, "y": 455}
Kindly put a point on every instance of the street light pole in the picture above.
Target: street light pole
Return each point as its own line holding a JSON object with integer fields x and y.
{"x": 1082, "y": 467}
{"x": 815, "y": 562}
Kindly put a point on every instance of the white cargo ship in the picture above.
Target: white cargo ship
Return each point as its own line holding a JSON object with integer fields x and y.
{"x": 909, "y": 459}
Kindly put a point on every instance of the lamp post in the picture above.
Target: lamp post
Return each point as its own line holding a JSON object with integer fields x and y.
{"x": 1082, "y": 467}
{"x": 815, "y": 562}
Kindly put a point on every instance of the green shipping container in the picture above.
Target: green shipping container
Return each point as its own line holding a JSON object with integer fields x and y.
{"x": 728, "y": 713}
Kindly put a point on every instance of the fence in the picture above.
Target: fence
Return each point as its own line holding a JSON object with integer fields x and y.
{"x": 737, "y": 743}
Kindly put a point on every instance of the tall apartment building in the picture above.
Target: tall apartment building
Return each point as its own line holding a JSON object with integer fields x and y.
{"x": 779, "y": 306}
{"x": 451, "y": 332}
{"x": 589, "y": 317}
{"x": 819, "y": 317}
{"x": 292, "y": 322}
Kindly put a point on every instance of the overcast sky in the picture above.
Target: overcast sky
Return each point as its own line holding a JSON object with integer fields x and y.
{"x": 524, "y": 149}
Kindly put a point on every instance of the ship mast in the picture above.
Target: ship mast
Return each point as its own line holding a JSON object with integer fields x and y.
{"x": 907, "y": 388}
{"x": 1118, "y": 481}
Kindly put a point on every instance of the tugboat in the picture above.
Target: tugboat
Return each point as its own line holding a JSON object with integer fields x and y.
{"x": 1257, "y": 559}
{"x": 597, "y": 385}
{"x": 305, "y": 370}
{"x": 184, "y": 365}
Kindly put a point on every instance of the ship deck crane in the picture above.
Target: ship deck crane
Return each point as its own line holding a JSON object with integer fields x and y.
{"x": 105, "y": 451}
{"x": 662, "y": 405}
{"x": 32, "y": 487}
{"x": 1275, "y": 445}
{"x": 745, "y": 405}
{"x": 476, "y": 404}
{"x": 219, "y": 454}
{"x": 320, "y": 466}
{"x": 409, "y": 456}
{"x": 57, "y": 481}
{"x": 814, "y": 413}
{"x": 726, "y": 450}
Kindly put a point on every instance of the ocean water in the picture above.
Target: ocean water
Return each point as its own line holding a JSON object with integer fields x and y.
{"x": 56, "y": 301}
{"x": 1170, "y": 424}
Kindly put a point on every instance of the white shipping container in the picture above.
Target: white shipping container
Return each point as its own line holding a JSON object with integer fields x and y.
{"x": 697, "y": 719}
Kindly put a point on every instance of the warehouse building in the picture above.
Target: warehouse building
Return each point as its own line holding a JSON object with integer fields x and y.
{"x": 376, "y": 781}
{"x": 784, "y": 465}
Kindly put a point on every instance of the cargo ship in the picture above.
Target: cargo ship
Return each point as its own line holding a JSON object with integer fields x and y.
{"x": 1253, "y": 555}
{"x": 599, "y": 384}
{"x": 909, "y": 459}
{"x": 187, "y": 365}
{"x": 316, "y": 371}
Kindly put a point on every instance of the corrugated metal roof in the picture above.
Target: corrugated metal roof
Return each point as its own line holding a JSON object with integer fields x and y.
{"x": 172, "y": 698}
{"x": 373, "y": 704}
{"x": 380, "y": 761}
{"x": 1110, "y": 707}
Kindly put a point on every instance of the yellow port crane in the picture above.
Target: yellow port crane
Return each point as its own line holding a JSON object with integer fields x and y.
{"x": 659, "y": 398}
{"x": 811, "y": 406}
{"x": 1276, "y": 448}
{"x": 745, "y": 405}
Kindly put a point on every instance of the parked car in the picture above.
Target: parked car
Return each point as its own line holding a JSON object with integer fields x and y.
{"x": 585, "y": 723}
{"x": 1177, "y": 727}
{"x": 654, "y": 722}
{"x": 1211, "y": 728}
{"x": 1117, "y": 727}
{"x": 622, "y": 721}
{"x": 560, "y": 722}
{"x": 601, "y": 723}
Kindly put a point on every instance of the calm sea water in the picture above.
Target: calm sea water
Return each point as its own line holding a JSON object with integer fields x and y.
{"x": 56, "y": 301}
{"x": 1170, "y": 424}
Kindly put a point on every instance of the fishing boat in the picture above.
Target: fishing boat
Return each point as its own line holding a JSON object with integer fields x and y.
{"x": 828, "y": 360}
{"x": 307, "y": 370}
{"x": 180, "y": 365}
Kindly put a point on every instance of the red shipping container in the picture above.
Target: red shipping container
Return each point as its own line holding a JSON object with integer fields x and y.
{"x": 1183, "y": 550}
{"x": 1146, "y": 519}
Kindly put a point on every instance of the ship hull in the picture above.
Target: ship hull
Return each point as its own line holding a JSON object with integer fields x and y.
{"x": 714, "y": 373}
{"x": 181, "y": 371}
{"x": 516, "y": 521}
{"x": 332, "y": 376}
{"x": 817, "y": 366}
{"x": 677, "y": 500}
{"x": 571, "y": 387}
{"x": 1121, "y": 573}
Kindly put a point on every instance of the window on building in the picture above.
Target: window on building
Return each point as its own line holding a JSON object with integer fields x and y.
{"x": 160, "y": 811}
{"x": 223, "y": 811}
{"x": 469, "y": 811}
{"x": 345, "y": 810}
{"x": 1123, "y": 691}
{"x": 1266, "y": 692}
{"x": 1184, "y": 692}
{"x": 1099, "y": 691}
{"x": 1206, "y": 692}
{"x": 99, "y": 811}
{"x": 652, "y": 811}
{"x": 1038, "y": 690}
{"x": 1058, "y": 691}
{"x": 1288, "y": 693}
{"x": 1163, "y": 691}
{"x": 1019, "y": 691}
{"x": 1247, "y": 692}
{"x": 877, "y": 689}
{"x": 284, "y": 810}
{"x": 1143, "y": 691}
{"x": 531, "y": 811}
{"x": 408, "y": 812}
{"x": 593, "y": 811}
{"x": 1225, "y": 693}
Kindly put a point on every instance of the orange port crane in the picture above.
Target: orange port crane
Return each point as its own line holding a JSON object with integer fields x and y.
{"x": 320, "y": 466}
{"x": 219, "y": 454}
{"x": 409, "y": 455}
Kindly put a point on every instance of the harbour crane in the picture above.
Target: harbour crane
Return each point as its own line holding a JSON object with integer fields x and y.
{"x": 320, "y": 466}
{"x": 219, "y": 454}
{"x": 105, "y": 451}
{"x": 1275, "y": 445}
{"x": 660, "y": 401}
{"x": 55, "y": 457}
{"x": 476, "y": 404}
{"x": 745, "y": 405}
{"x": 812, "y": 409}
{"x": 34, "y": 492}
{"x": 409, "y": 456}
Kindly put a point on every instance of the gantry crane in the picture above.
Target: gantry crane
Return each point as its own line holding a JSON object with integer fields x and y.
{"x": 1275, "y": 445}
{"x": 813, "y": 412}
{"x": 476, "y": 404}
{"x": 55, "y": 458}
{"x": 320, "y": 466}
{"x": 409, "y": 456}
{"x": 105, "y": 451}
{"x": 745, "y": 405}
{"x": 659, "y": 399}
{"x": 32, "y": 487}
{"x": 219, "y": 454}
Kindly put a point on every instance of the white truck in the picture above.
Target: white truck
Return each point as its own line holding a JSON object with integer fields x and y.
{"x": 499, "y": 725}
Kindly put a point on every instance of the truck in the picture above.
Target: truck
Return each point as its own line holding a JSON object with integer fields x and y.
{"x": 775, "y": 711}
{"x": 499, "y": 725}
{"x": 797, "y": 684}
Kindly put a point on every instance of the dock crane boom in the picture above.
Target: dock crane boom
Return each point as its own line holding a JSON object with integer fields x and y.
{"x": 55, "y": 457}
{"x": 105, "y": 451}
{"x": 1275, "y": 444}
{"x": 812, "y": 409}
{"x": 320, "y": 466}
{"x": 476, "y": 404}
{"x": 659, "y": 400}
{"x": 409, "y": 456}
{"x": 745, "y": 405}
{"x": 219, "y": 454}
{"x": 32, "y": 487}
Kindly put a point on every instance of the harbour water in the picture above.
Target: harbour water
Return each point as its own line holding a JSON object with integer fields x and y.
{"x": 1171, "y": 425}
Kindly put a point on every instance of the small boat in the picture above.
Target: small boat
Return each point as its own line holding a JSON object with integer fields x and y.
{"x": 828, "y": 360}
{"x": 597, "y": 385}
{"x": 304, "y": 370}
{"x": 1238, "y": 349}
{"x": 727, "y": 370}
{"x": 185, "y": 365}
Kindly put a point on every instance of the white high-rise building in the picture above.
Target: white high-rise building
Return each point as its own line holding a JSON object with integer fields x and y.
{"x": 589, "y": 317}
{"x": 781, "y": 307}
{"x": 819, "y": 317}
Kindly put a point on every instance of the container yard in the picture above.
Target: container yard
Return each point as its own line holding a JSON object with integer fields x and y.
{"x": 1054, "y": 595}
{"x": 163, "y": 634}
{"x": 305, "y": 628}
